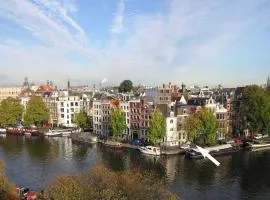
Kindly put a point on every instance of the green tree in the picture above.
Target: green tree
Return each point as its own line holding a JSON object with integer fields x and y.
{"x": 117, "y": 122}
{"x": 208, "y": 126}
{"x": 36, "y": 112}
{"x": 126, "y": 86}
{"x": 268, "y": 91}
{"x": 157, "y": 126}
{"x": 10, "y": 111}
{"x": 255, "y": 110}
{"x": 80, "y": 119}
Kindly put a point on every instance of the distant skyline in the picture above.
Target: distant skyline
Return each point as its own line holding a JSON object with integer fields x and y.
{"x": 148, "y": 41}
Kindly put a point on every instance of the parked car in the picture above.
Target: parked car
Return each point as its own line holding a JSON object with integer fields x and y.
{"x": 136, "y": 142}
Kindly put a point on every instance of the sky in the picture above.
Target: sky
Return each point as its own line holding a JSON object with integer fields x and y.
{"x": 204, "y": 42}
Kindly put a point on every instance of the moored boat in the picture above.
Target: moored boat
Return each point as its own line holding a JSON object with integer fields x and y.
{"x": 51, "y": 133}
{"x": 33, "y": 131}
{"x": 151, "y": 150}
{"x": 2, "y": 130}
{"x": 220, "y": 150}
{"x": 15, "y": 131}
{"x": 113, "y": 144}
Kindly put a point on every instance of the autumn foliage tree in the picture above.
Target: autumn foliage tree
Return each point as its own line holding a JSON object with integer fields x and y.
{"x": 102, "y": 183}
{"x": 203, "y": 123}
{"x": 5, "y": 186}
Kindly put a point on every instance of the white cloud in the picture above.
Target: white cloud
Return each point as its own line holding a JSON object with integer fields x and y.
{"x": 118, "y": 22}
{"x": 180, "y": 44}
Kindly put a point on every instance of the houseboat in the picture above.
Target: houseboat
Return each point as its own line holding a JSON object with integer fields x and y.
{"x": 58, "y": 132}
{"x": 151, "y": 150}
{"x": 15, "y": 131}
{"x": 33, "y": 131}
{"x": 220, "y": 150}
{"x": 256, "y": 147}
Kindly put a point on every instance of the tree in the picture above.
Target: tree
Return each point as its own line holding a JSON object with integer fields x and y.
{"x": 125, "y": 86}
{"x": 102, "y": 183}
{"x": 203, "y": 123}
{"x": 208, "y": 126}
{"x": 36, "y": 112}
{"x": 5, "y": 186}
{"x": 80, "y": 119}
{"x": 10, "y": 111}
{"x": 192, "y": 126}
{"x": 255, "y": 110}
{"x": 157, "y": 126}
{"x": 117, "y": 122}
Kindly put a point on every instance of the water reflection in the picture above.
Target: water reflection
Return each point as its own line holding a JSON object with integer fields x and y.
{"x": 34, "y": 162}
{"x": 41, "y": 148}
{"x": 12, "y": 144}
{"x": 81, "y": 152}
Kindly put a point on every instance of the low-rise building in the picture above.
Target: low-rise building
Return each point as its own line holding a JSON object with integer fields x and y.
{"x": 13, "y": 92}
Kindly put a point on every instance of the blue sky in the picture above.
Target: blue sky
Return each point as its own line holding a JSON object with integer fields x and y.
{"x": 147, "y": 41}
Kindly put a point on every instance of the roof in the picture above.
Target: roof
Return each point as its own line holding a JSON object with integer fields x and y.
{"x": 183, "y": 100}
{"x": 44, "y": 88}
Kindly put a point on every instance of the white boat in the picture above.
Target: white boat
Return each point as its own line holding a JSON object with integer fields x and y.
{"x": 51, "y": 133}
{"x": 150, "y": 150}
{"x": 260, "y": 145}
{"x": 3, "y": 130}
{"x": 185, "y": 146}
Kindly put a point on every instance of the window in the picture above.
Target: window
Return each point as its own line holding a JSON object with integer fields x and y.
{"x": 67, "y": 116}
{"x": 62, "y": 104}
{"x": 71, "y": 104}
{"x": 72, "y": 109}
{"x": 76, "y": 103}
{"x": 62, "y": 115}
{"x": 171, "y": 129}
{"x": 67, "y": 121}
{"x": 67, "y": 110}
{"x": 171, "y": 121}
{"x": 62, "y": 110}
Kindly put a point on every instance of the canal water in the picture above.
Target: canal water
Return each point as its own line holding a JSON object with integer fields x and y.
{"x": 34, "y": 162}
